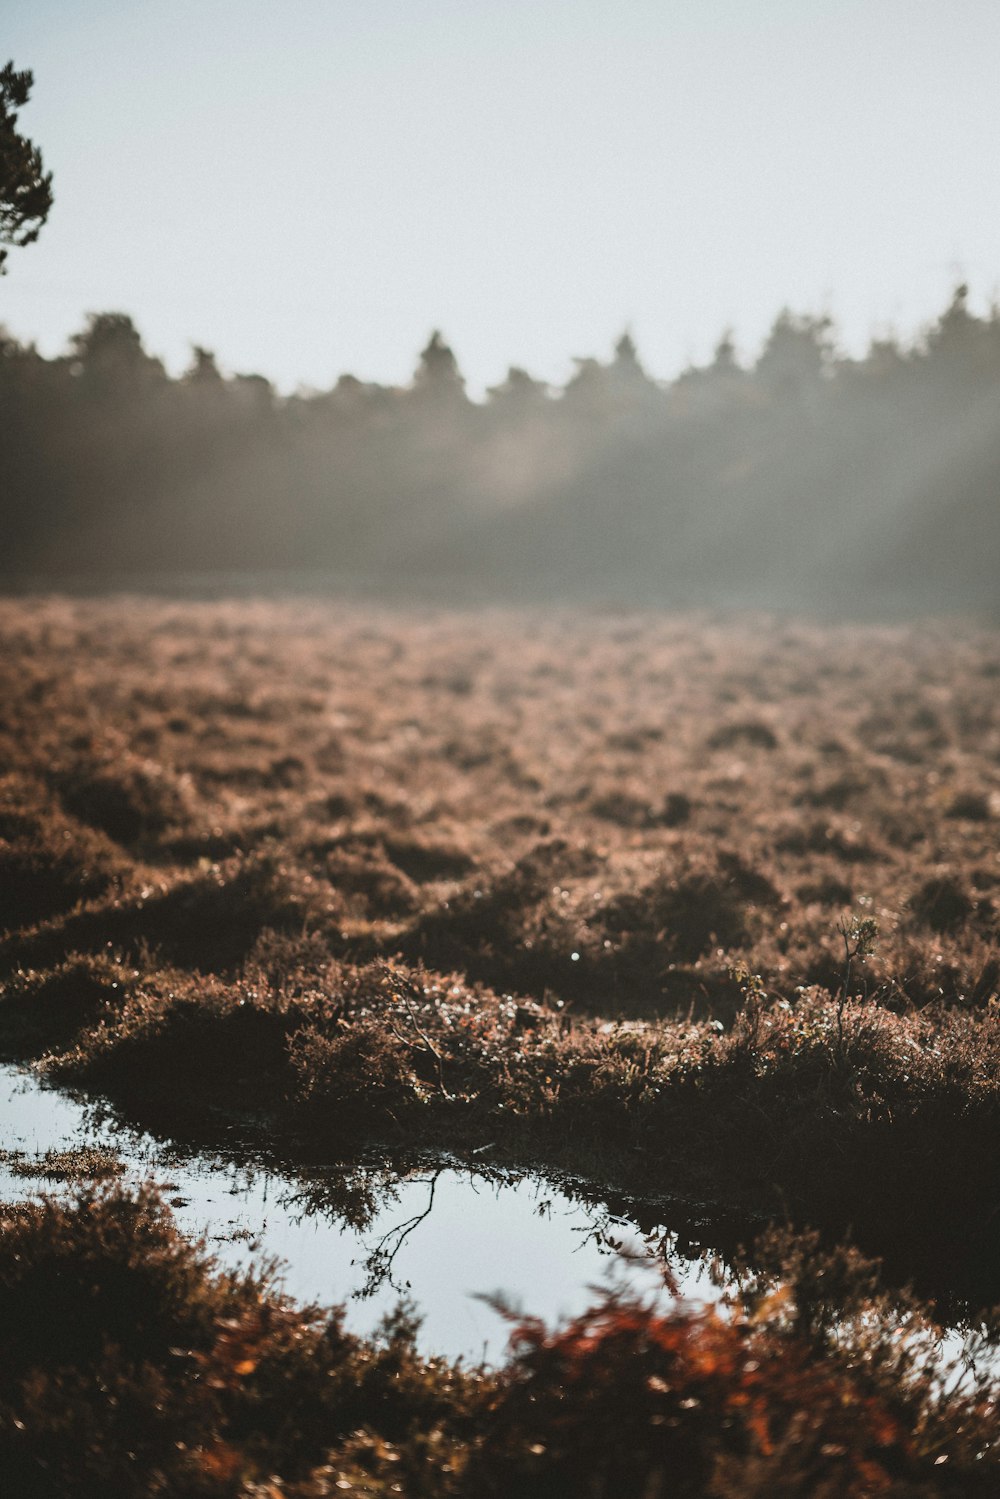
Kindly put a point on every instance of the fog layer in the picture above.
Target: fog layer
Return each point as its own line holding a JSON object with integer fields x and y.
{"x": 804, "y": 480}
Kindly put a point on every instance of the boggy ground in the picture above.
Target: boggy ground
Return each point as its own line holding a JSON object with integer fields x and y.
{"x": 484, "y": 879}
{"x": 549, "y": 887}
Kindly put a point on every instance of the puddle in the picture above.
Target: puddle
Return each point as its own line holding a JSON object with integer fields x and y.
{"x": 363, "y": 1236}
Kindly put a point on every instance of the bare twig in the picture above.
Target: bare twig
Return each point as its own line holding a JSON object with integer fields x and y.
{"x": 860, "y": 934}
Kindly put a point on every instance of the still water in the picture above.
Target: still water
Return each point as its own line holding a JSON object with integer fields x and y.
{"x": 443, "y": 1236}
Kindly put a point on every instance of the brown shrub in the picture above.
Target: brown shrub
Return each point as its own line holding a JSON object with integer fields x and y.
{"x": 49, "y": 868}
{"x": 970, "y": 806}
{"x": 942, "y": 903}
{"x": 750, "y": 732}
{"x": 355, "y": 1078}
{"x": 129, "y": 799}
{"x": 688, "y": 912}
{"x": 54, "y": 1005}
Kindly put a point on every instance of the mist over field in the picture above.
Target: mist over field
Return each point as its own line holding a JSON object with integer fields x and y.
{"x": 804, "y": 479}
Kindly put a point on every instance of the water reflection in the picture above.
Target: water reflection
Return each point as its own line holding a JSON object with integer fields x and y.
{"x": 365, "y": 1235}
{"x": 452, "y": 1240}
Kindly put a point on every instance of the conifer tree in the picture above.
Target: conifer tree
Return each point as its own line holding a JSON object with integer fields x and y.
{"x": 25, "y": 186}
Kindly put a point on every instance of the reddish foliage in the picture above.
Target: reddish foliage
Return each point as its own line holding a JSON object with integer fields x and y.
{"x": 625, "y": 1393}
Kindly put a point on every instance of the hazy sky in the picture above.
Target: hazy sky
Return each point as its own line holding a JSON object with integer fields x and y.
{"x": 310, "y": 186}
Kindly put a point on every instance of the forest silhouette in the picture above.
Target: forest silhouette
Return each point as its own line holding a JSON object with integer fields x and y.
{"x": 806, "y": 479}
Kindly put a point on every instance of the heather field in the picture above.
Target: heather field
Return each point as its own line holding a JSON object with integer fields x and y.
{"x": 689, "y": 908}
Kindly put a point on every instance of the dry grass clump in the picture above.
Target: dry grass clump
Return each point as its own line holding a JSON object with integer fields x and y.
{"x": 85, "y": 1162}
{"x": 130, "y": 799}
{"x": 687, "y": 912}
{"x": 942, "y": 904}
{"x": 133, "y": 1366}
{"x": 48, "y": 1008}
{"x": 193, "y": 1044}
{"x": 48, "y": 863}
{"x": 869, "y": 1119}
{"x": 212, "y": 920}
{"x": 206, "y": 921}
{"x": 354, "y": 1077}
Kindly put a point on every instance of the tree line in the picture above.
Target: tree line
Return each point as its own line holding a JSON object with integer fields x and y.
{"x": 804, "y": 478}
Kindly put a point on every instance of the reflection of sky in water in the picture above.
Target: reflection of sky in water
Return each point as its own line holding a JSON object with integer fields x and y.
{"x": 524, "y": 1240}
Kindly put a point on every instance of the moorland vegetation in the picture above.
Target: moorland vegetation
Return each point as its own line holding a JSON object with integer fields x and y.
{"x": 685, "y": 906}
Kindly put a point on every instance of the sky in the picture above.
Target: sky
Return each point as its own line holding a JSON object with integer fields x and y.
{"x": 311, "y": 187}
